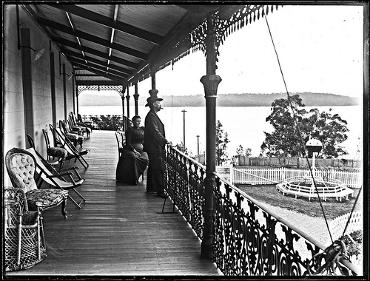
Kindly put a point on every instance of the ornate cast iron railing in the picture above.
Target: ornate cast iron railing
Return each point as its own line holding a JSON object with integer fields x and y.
{"x": 185, "y": 187}
{"x": 249, "y": 239}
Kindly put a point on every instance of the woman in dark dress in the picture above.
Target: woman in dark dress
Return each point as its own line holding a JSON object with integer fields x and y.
{"x": 133, "y": 160}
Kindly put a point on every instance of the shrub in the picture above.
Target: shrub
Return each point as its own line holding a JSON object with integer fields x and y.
{"x": 107, "y": 122}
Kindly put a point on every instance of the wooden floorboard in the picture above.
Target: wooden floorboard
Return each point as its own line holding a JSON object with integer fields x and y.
{"x": 120, "y": 230}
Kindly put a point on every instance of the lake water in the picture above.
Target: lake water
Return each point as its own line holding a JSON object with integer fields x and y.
{"x": 244, "y": 125}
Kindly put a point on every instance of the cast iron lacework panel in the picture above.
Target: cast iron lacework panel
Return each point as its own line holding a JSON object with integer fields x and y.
{"x": 117, "y": 88}
{"x": 223, "y": 28}
{"x": 184, "y": 185}
{"x": 248, "y": 240}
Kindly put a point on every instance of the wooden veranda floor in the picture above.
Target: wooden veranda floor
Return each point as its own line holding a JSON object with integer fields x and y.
{"x": 120, "y": 230}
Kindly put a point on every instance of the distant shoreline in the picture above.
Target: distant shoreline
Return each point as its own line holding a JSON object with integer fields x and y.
{"x": 220, "y": 105}
{"x": 230, "y": 100}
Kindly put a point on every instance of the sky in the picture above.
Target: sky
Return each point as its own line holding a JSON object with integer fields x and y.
{"x": 319, "y": 47}
{"x": 320, "y": 50}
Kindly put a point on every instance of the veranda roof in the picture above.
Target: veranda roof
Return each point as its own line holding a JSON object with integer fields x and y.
{"x": 120, "y": 44}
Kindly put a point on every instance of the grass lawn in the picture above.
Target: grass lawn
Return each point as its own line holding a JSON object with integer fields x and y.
{"x": 332, "y": 208}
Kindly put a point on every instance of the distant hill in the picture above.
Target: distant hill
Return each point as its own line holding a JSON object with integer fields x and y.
{"x": 309, "y": 99}
{"x": 241, "y": 100}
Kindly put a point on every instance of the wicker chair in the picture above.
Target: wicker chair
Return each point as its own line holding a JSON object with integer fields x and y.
{"x": 21, "y": 167}
{"x": 24, "y": 232}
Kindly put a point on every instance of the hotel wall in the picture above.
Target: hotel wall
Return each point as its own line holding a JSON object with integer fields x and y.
{"x": 13, "y": 103}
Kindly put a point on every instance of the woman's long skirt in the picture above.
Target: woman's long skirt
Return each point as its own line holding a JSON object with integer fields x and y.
{"x": 131, "y": 167}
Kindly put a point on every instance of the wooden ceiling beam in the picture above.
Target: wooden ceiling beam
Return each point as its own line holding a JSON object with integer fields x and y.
{"x": 92, "y": 51}
{"x": 101, "y": 73}
{"x": 108, "y": 22}
{"x": 195, "y": 15}
{"x": 98, "y": 67}
{"x": 92, "y": 38}
{"x": 165, "y": 52}
{"x": 102, "y": 63}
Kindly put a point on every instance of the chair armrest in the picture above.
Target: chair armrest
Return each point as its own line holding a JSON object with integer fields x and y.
{"x": 69, "y": 174}
{"x": 10, "y": 195}
{"x": 14, "y": 190}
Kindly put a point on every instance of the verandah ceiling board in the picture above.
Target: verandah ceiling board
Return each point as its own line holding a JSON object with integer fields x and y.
{"x": 143, "y": 34}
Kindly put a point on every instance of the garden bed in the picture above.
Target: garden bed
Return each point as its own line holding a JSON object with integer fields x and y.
{"x": 268, "y": 194}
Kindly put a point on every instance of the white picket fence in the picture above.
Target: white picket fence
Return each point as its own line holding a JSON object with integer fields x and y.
{"x": 259, "y": 176}
{"x": 337, "y": 225}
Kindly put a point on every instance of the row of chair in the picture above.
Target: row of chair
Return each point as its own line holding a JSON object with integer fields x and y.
{"x": 26, "y": 200}
{"x": 63, "y": 149}
{"x": 78, "y": 127}
{"x": 29, "y": 170}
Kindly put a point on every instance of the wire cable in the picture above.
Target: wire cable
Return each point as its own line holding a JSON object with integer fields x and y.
{"x": 298, "y": 129}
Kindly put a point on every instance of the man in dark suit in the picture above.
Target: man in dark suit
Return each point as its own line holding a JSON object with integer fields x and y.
{"x": 154, "y": 145}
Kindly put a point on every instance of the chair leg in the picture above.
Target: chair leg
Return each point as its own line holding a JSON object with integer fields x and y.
{"x": 19, "y": 243}
{"x": 64, "y": 211}
{"x": 38, "y": 240}
{"x": 83, "y": 161}
{"x": 83, "y": 200}
{"x": 43, "y": 243}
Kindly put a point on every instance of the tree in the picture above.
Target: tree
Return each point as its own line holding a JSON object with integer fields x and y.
{"x": 284, "y": 140}
{"x": 248, "y": 152}
{"x": 222, "y": 140}
{"x": 107, "y": 122}
{"x": 240, "y": 151}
